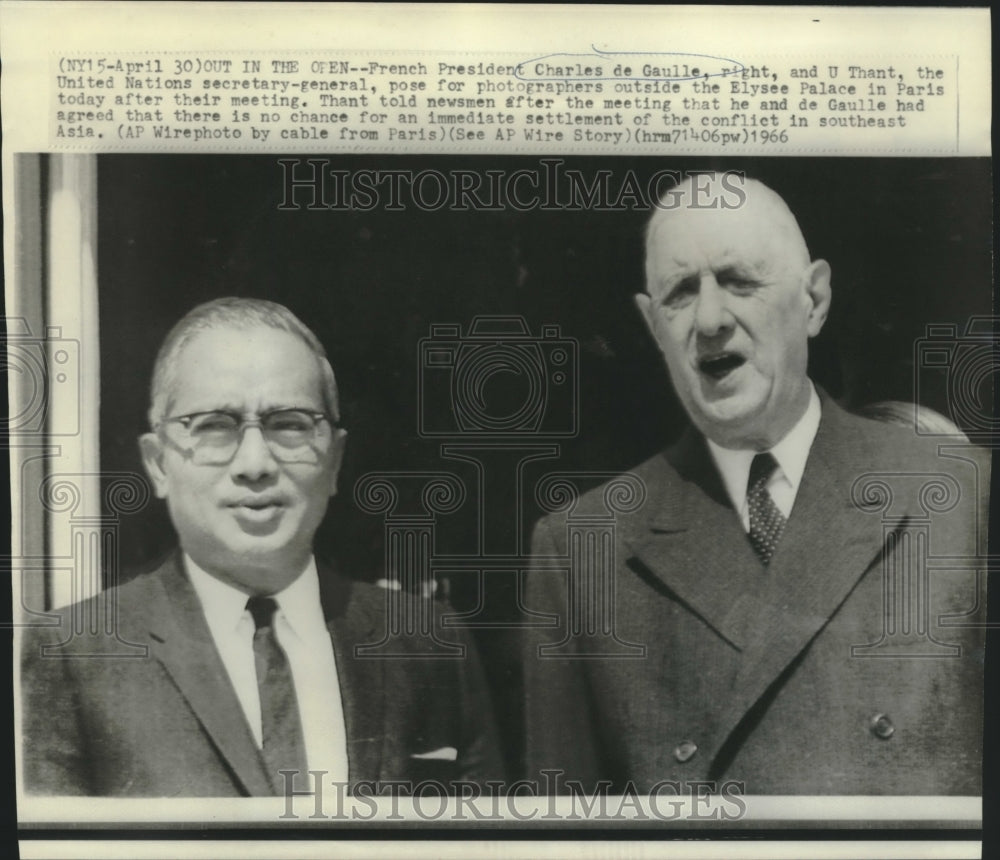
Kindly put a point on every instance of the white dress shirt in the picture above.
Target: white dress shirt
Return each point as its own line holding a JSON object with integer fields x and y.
{"x": 791, "y": 454}
{"x": 302, "y": 632}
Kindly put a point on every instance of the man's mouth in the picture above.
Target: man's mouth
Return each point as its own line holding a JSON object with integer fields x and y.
{"x": 263, "y": 503}
{"x": 720, "y": 365}
{"x": 258, "y": 513}
{"x": 255, "y": 508}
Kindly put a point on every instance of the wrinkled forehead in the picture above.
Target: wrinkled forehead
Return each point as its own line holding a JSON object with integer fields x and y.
{"x": 236, "y": 361}
{"x": 680, "y": 245}
{"x": 759, "y": 237}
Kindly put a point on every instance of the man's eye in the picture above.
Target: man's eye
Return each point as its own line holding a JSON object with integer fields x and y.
{"x": 738, "y": 284}
{"x": 214, "y": 423}
{"x": 290, "y": 422}
{"x": 681, "y": 294}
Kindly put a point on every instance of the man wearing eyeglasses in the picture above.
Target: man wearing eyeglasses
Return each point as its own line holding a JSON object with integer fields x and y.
{"x": 250, "y": 676}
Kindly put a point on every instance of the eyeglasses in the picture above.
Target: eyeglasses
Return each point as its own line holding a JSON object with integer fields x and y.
{"x": 212, "y": 438}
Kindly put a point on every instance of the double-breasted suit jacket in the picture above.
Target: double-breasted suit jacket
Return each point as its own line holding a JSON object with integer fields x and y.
{"x": 847, "y": 666}
{"x": 162, "y": 718}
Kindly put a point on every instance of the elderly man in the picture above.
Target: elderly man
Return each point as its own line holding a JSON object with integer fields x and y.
{"x": 774, "y": 620}
{"x": 244, "y": 660}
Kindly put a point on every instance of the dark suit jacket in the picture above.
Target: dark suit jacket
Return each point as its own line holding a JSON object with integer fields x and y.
{"x": 747, "y": 673}
{"x": 169, "y": 723}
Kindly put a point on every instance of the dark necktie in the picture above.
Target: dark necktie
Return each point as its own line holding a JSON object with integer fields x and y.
{"x": 766, "y": 521}
{"x": 281, "y": 727}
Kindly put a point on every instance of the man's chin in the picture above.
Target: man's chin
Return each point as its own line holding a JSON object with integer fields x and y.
{"x": 258, "y": 550}
{"x": 258, "y": 567}
{"x": 729, "y": 421}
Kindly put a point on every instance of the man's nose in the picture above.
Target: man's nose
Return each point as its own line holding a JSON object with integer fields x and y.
{"x": 253, "y": 459}
{"x": 712, "y": 314}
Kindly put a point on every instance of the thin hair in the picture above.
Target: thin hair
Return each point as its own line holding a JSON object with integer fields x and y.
{"x": 242, "y": 314}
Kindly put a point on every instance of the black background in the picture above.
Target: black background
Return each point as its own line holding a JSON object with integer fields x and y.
{"x": 908, "y": 241}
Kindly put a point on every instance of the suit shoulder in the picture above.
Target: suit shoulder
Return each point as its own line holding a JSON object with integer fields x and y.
{"x": 119, "y": 612}
{"x": 895, "y": 446}
{"x": 619, "y": 494}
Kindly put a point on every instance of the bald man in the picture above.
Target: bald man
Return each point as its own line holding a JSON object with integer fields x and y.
{"x": 750, "y": 638}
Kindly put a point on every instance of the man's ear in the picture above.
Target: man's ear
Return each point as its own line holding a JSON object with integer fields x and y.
{"x": 336, "y": 456}
{"x": 644, "y": 302}
{"x": 819, "y": 294}
{"x": 152, "y": 458}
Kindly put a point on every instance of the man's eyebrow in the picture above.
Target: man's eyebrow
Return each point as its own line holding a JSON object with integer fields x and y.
{"x": 729, "y": 272}
{"x": 737, "y": 271}
{"x": 669, "y": 286}
{"x": 214, "y": 406}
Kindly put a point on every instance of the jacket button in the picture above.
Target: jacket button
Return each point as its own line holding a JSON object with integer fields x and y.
{"x": 685, "y": 750}
{"x": 882, "y": 727}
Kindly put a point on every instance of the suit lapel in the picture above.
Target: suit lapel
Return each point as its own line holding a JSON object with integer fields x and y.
{"x": 694, "y": 546}
{"x": 353, "y": 623}
{"x": 182, "y": 642}
{"x": 693, "y": 542}
{"x": 828, "y": 545}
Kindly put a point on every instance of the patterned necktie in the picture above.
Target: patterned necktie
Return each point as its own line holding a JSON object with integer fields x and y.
{"x": 766, "y": 521}
{"x": 281, "y": 726}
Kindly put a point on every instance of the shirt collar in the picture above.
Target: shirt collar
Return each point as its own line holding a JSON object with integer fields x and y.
{"x": 791, "y": 452}
{"x": 300, "y": 602}
{"x": 225, "y": 605}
